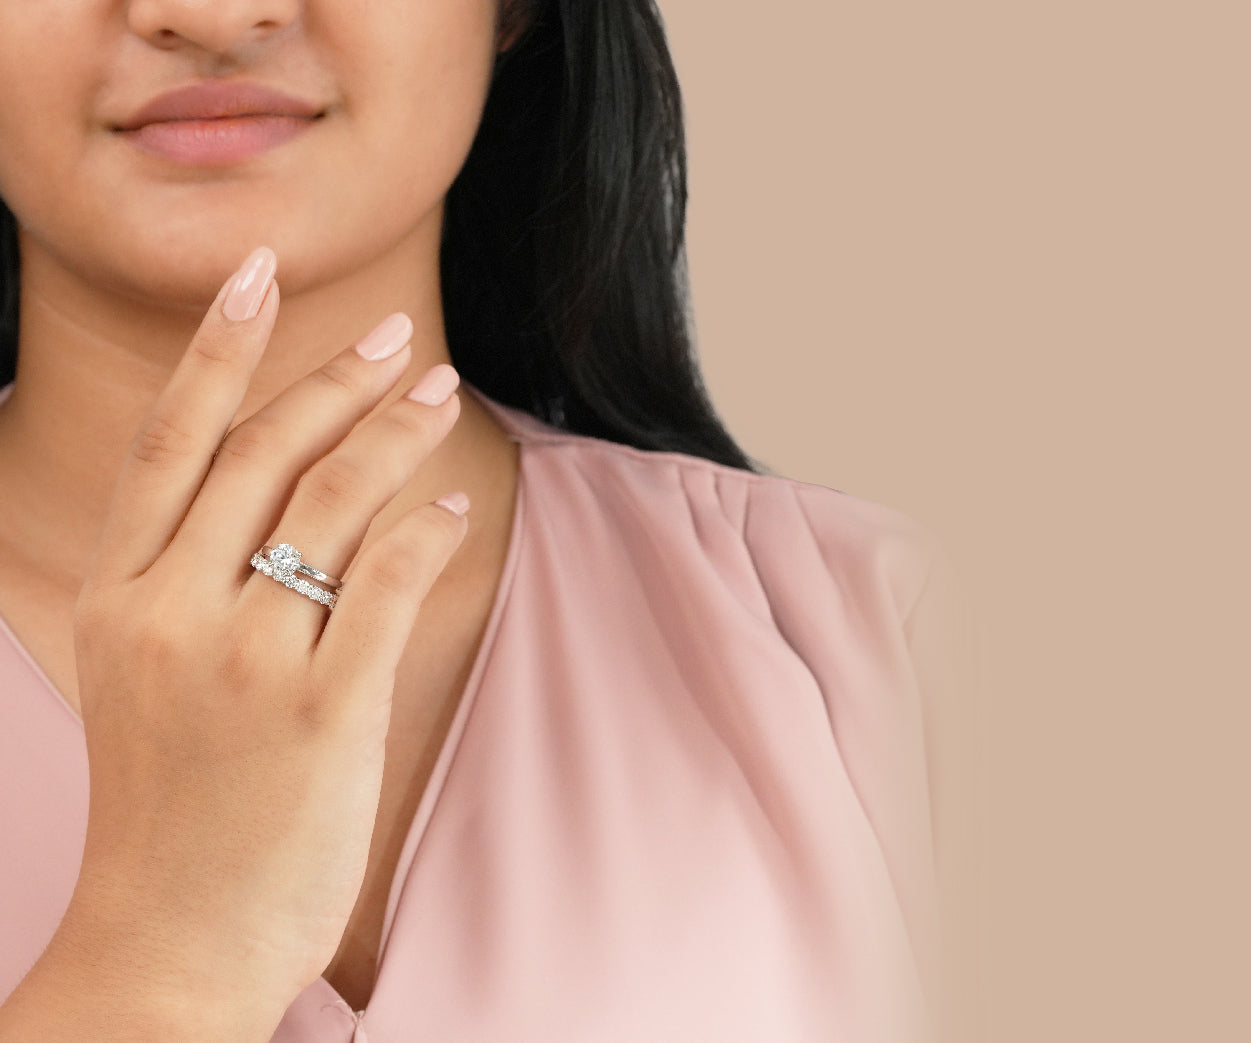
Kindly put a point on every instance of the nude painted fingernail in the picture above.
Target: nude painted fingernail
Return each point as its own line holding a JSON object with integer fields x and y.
{"x": 385, "y": 339}
{"x": 243, "y": 299}
{"x": 436, "y": 386}
{"x": 457, "y": 502}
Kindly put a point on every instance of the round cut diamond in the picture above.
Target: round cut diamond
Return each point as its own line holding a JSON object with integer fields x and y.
{"x": 285, "y": 558}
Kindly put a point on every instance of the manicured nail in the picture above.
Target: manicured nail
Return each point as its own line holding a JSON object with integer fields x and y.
{"x": 436, "y": 386}
{"x": 457, "y": 503}
{"x": 385, "y": 339}
{"x": 243, "y": 299}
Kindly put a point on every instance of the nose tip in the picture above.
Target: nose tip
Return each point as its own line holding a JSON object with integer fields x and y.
{"x": 219, "y": 26}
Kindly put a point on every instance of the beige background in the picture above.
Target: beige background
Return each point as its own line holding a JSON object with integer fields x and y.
{"x": 987, "y": 262}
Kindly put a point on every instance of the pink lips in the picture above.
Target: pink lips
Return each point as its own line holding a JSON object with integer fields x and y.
{"x": 218, "y": 140}
{"x": 214, "y": 123}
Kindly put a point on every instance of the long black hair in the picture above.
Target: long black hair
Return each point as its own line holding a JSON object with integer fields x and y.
{"x": 563, "y": 262}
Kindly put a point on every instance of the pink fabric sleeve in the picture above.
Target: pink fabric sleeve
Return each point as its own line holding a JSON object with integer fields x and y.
{"x": 866, "y": 596}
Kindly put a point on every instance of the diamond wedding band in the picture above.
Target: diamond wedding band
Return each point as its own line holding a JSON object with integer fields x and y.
{"x": 283, "y": 562}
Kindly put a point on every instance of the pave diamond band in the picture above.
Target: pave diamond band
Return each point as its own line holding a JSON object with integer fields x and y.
{"x": 283, "y": 562}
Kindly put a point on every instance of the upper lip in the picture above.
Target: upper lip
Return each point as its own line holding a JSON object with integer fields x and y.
{"x": 203, "y": 101}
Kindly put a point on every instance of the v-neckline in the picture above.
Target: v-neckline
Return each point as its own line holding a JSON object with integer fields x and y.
{"x": 521, "y": 428}
{"x": 434, "y": 787}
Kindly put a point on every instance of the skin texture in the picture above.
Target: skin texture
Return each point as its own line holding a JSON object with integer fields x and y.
{"x": 122, "y": 254}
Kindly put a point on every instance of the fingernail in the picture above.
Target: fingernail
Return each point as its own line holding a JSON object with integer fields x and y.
{"x": 385, "y": 339}
{"x": 436, "y": 386}
{"x": 243, "y": 299}
{"x": 457, "y": 503}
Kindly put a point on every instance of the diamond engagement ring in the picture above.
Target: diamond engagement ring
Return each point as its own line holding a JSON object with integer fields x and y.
{"x": 283, "y": 562}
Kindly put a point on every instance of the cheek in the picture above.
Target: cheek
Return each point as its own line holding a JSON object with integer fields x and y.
{"x": 49, "y": 68}
{"x": 417, "y": 90}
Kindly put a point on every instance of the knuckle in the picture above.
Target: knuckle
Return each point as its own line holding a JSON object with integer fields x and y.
{"x": 245, "y": 444}
{"x": 216, "y": 346}
{"x": 169, "y": 645}
{"x": 407, "y": 422}
{"x": 402, "y": 566}
{"x": 153, "y": 639}
{"x": 311, "y": 713}
{"x": 237, "y": 662}
{"x": 159, "y": 441}
{"x": 418, "y": 553}
{"x": 335, "y": 483}
{"x": 338, "y": 377}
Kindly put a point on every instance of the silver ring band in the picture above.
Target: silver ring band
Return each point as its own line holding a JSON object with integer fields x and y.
{"x": 289, "y": 555}
{"x": 282, "y": 562}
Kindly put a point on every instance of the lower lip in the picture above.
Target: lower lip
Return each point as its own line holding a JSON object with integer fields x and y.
{"x": 216, "y": 141}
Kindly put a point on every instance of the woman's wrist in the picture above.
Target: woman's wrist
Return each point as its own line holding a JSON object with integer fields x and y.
{"x": 102, "y": 978}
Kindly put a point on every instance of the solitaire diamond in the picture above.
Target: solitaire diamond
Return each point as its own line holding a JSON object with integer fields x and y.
{"x": 285, "y": 558}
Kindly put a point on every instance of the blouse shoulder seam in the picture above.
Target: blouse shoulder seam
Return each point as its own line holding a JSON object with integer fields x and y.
{"x": 574, "y": 440}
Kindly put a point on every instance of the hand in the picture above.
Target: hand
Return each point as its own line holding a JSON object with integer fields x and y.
{"x": 235, "y": 728}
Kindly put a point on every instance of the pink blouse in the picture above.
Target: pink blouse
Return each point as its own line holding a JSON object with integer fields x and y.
{"x": 685, "y": 795}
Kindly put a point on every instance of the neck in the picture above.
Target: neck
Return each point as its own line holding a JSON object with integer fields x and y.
{"x": 91, "y": 363}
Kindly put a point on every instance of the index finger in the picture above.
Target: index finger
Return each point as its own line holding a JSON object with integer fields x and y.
{"x": 174, "y": 446}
